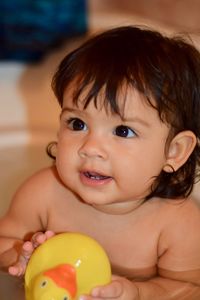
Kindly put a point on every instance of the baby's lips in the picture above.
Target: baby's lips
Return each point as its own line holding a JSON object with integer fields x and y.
{"x": 91, "y": 174}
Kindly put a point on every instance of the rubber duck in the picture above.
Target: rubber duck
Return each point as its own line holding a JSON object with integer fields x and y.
{"x": 66, "y": 266}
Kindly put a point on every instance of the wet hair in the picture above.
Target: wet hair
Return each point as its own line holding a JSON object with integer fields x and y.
{"x": 165, "y": 70}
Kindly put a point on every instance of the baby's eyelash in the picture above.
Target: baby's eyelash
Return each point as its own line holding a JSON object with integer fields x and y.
{"x": 124, "y": 131}
{"x": 69, "y": 120}
{"x": 76, "y": 124}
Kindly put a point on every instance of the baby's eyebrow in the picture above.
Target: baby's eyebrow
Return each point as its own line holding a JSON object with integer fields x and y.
{"x": 124, "y": 119}
{"x": 136, "y": 120}
{"x": 70, "y": 109}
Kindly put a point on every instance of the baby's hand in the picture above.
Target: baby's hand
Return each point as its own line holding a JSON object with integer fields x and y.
{"x": 120, "y": 288}
{"x": 19, "y": 268}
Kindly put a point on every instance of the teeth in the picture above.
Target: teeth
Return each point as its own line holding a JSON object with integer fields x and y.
{"x": 95, "y": 176}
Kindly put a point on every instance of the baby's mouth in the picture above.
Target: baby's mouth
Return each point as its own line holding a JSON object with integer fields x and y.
{"x": 94, "y": 179}
{"x": 95, "y": 176}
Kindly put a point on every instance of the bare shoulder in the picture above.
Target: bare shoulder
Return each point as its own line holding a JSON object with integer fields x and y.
{"x": 185, "y": 212}
{"x": 179, "y": 244}
{"x": 177, "y": 211}
{"x": 37, "y": 185}
{"x": 30, "y": 203}
{"x": 174, "y": 213}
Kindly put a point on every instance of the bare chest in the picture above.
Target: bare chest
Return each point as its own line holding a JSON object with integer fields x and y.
{"x": 130, "y": 244}
{"x": 132, "y": 251}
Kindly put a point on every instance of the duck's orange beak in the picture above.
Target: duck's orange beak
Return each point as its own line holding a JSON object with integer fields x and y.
{"x": 64, "y": 276}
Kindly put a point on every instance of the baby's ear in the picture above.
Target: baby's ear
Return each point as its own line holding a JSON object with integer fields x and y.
{"x": 179, "y": 150}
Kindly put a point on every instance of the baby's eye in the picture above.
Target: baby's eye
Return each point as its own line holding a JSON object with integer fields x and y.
{"x": 76, "y": 124}
{"x": 124, "y": 131}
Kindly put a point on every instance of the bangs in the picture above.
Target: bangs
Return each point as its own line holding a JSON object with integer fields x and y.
{"x": 94, "y": 77}
{"x": 102, "y": 92}
{"x": 108, "y": 92}
{"x": 113, "y": 61}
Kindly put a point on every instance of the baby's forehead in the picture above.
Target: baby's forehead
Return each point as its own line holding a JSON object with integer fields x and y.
{"x": 127, "y": 102}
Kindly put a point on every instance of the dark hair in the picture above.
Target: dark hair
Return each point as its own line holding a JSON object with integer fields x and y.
{"x": 165, "y": 69}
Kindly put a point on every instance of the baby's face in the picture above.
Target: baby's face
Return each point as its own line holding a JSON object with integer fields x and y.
{"x": 109, "y": 161}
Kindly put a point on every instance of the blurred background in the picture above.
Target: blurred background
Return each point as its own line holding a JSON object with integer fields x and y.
{"x": 34, "y": 37}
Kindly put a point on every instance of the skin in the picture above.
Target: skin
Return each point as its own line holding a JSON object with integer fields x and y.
{"x": 153, "y": 246}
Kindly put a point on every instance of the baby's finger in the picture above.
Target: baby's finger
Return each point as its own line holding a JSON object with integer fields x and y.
{"x": 19, "y": 268}
{"x": 37, "y": 239}
{"x": 40, "y": 237}
{"x": 27, "y": 247}
{"x": 112, "y": 290}
{"x": 26, "y": 251}
{"x": 49, "y": 234}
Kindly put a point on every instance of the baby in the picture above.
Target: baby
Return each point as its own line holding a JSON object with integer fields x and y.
{"x": 126, "y": 159}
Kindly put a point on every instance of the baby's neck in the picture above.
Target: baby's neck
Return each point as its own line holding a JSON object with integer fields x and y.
{"x": 120, "y": 208}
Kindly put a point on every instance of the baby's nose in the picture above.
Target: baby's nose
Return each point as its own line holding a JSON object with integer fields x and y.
{"x": 93, "y": 148}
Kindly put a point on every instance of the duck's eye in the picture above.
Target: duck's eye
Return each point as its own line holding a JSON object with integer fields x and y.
{"x": 65, "y": 298}
{"x": 43, "y": 283}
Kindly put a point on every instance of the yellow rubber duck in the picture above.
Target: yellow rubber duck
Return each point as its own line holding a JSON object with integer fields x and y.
{"x": 65, "y": 267}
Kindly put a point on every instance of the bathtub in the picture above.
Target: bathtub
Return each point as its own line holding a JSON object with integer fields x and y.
{"x": 11, "y": 288}
{"x": 28, "y": 121}
{"x": 26, "y": 101}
